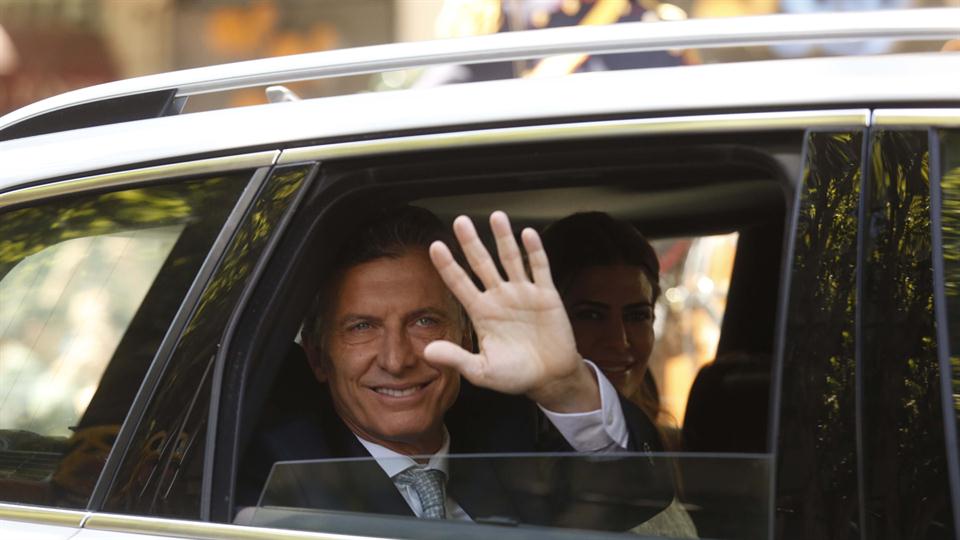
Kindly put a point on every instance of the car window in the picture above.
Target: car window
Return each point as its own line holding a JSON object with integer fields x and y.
{"x": 905, "y": 478}
{"x": 162, "y": 473}
{"x": 88, "y": 285}
{"x": 946, "y": 198}
{"x": 950, "y": 230}
{"x": 718, "y": 227}
{"x": 817, "y": 451}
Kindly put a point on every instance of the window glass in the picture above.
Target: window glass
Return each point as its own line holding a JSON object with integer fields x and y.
{"x": 64, "y": 310}
{"x": 548, "y": 495}
{"x": 950, "y": 222}
{"x": 162, "y": 473}
{"x": 905, "y": 480}
{"x": 88, "y": 286}
{"x": 817, "y": 463}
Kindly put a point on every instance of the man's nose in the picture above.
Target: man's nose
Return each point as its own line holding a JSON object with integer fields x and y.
{"x": 397, "y": 353}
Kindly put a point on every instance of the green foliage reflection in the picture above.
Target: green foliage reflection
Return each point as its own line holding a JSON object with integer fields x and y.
{"x": 161, "y": 475}
{"x": 904, "y": 465}
{"x": 950, "y": 228}
{"x": 817, "y": 496}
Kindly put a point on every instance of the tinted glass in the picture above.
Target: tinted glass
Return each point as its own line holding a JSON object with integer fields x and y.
{"x": 817, "y": 468}
{"x": 906, "y": 494}
{"x": 162, "y": 473}
{"x": 624, "y": 493}
{"x": 950, "y": 223}
{"x": 88, "y": 286}
{"x": 949, "y": 142}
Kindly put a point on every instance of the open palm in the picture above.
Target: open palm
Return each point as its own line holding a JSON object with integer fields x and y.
{"x": 525, "y": 338}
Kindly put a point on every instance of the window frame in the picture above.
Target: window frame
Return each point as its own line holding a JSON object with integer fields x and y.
{"x": 241, "y": 350}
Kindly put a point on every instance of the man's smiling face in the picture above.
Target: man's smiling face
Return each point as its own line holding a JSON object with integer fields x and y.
{"x": 385, "y": 312}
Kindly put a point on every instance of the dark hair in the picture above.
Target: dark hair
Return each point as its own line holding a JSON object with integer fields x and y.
{"x": 387, "y": 233}
{"x": 587, "y": 239}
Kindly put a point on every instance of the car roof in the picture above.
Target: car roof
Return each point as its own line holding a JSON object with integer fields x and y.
{"x": 629, "y": 37}
{"x": 915, "y": 79}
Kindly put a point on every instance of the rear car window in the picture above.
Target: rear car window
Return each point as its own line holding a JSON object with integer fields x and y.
{"x": 88, "y": 287}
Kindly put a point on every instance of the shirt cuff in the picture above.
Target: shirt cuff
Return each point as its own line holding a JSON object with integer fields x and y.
{"x": 602, "y": 430}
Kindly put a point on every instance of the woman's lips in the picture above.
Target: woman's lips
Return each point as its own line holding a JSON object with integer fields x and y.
{"x": 617, "y": 366}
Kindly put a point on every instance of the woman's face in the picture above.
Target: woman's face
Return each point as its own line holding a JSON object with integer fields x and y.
{"x": 611, "y": 310}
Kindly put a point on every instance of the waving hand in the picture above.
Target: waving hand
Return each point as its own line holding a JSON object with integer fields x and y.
{"x": 526, "y": 342}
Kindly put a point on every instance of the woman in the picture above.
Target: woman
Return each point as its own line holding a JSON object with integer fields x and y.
{"x": 608, "y": 277}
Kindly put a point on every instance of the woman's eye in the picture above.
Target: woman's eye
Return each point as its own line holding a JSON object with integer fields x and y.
{"x": 638, "y": 315}
{"x": 588, "y": 315}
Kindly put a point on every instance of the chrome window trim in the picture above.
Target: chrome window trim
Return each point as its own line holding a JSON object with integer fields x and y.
{"x": 202, "y": 529}
{"x": 583, "y": 130}
{"x": 42, "y": 515}
{"x": 947, "y": 117}
{"x": 138, "y": 176}
{"x": 937, "y": 23}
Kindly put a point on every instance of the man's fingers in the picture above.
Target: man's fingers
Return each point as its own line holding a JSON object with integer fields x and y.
{"x": 446, "y": 353}
{"x": 476, "y": 253}
{"x": 507, "y": 247}
{"x": 450, "y": 272}
{"x": 539, "y": 265}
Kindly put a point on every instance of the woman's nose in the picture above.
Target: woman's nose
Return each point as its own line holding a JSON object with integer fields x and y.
{"x": 615, "y": 334}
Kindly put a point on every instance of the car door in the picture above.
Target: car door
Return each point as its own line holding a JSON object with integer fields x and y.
{"x": 99, "y": 275}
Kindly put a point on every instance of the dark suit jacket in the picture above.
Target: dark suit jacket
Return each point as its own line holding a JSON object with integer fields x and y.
{"x": 550, "y": 487}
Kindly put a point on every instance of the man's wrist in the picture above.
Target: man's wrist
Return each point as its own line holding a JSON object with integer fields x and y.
{"x": 577, "y": 393}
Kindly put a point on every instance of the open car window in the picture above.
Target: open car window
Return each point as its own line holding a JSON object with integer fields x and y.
{"x": 715, "y": 210}
{"x": 527, "y": 494}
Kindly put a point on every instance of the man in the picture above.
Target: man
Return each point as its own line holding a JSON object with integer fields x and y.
{"x": 390, "y": 341}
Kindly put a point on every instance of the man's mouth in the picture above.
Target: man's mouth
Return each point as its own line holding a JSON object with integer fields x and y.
{"x": 400, "y": 392}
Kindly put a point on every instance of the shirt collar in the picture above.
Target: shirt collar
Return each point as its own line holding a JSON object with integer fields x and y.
{"x": 394, "y": 463}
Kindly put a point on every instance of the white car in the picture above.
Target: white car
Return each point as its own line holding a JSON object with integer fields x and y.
{"x": 155, "y": 268}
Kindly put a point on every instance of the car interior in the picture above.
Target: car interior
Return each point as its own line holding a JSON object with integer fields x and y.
{"x": 667, "y": 187}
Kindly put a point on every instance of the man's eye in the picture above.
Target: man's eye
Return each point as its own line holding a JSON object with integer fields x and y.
{"x": 359, "y": 326}
{"x": 426, "y": 322}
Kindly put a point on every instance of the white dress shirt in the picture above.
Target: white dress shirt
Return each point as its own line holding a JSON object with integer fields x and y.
{"x": 602, "y": 430}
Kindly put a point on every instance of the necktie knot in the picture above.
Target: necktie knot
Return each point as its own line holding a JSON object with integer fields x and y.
{"x": 430, "y": 487}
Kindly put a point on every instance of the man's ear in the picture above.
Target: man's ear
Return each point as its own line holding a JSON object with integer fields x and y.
{"x": 314, "y": 356}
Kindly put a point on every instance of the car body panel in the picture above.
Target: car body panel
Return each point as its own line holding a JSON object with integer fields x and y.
{"x": 926, "y": 78}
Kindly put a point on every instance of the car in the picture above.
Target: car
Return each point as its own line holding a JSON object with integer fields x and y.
{"x": 155, "y": 267}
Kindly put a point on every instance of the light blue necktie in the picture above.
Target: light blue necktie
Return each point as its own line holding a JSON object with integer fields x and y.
{"x": 430, "y": 487}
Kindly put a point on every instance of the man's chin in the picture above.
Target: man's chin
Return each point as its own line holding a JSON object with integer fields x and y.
{"x": 413, "y": 439}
